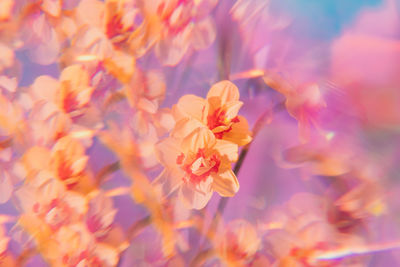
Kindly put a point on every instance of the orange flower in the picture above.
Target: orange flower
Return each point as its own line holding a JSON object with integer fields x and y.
{"x": 45, "y": 200}
{"x": 300, "y": 232}
{"x": 198, "y": 164}
{"x": 75, "y": 91}
{"x": 239, "y": 243}
{"x": 173, "y": 27}
{"x": 100, "y": 215}
{"x": 218, "y": 112}
{"x": 68, "y": 160}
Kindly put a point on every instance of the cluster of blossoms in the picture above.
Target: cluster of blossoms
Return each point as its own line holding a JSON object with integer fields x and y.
{"x": 202, "y": 146}
{"x": 109, "y": 158}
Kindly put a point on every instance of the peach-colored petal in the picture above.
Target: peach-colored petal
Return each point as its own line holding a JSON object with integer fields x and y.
{"x": 91, "y": 12}
{"x": 52, "y": 7}
{"x": 171, "y": 50}
{"x": 226, "y": 183}
{"x": 225, "y": 90}
{"x": 121, "y": 65}
{"x": 240, "y": 133}
{"x": 232, "y": 109}
{"x": 200, "y": 138}
{"x": 107, "y": 254}
{"x": 80, "y": 164}
{"x": 185, "y": 127}
{"x": 6, "y": 187}
{"x": 6, "y": 55}
{"x": 147, "y": 105}
{"x": 47, "y": 47}
{"x": 6, "y": 9}
{"x": 167, "y": 151}
{"x": 36, "y": 159}
{"x": 281, "y": 242}
{"x": 45, "y": 87}
{"x": 164, "y": 121}
{"x": 203, "y": 33}
{"x": 227, "y": 149}
{"x": 9, "y": 84}
{"x": 76, "y": 201}
{"x": 190, "y": 106}
{"x": 168, "y": 181}
{"x": 155, "y": 84}
{"x": 196, "y": 197}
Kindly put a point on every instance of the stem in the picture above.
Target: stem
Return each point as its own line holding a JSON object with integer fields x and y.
{"x": 201, "y": 257}
{"x": 107, "y": 170}
{"x": 25, "y": 255}
{"x": 134, "y": 231}
{"x": 137, "y": 226}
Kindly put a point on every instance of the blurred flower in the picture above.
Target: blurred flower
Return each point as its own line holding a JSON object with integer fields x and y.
{"x": 238, "y": 243}
{"x": 100, "y": 215}
{"x": 300, "y": 232}
{"x": 358, "y": 206}
{"x": 68, "y": 160}
{"x": 45, "y": 200}
{"x": 75, "y": 246}
{"x": 173, "y": 27}
{"x": 304, "y": 102}
{"x": 75, "y": 89}
{"x": 218, "y": 112}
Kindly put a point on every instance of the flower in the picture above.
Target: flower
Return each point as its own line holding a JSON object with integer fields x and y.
{"x": 46, "y": 201}
{"x": 198, "y": 165}
{"x": 68, "y": 160}
{"x": 100, "y": 215}
{"x": 304, "y": 101}
{"x": 239, "y": 243}
{"x": 173, "y": 27}
{"x": 218, "y": 112}
{"x": 300, "y": 233}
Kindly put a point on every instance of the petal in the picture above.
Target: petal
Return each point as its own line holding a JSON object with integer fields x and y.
{"x": 203, "y": 34}
{"x": 167, "y": 151}
{"x": 107, "y": 254}
{"x": 79, "y": 164}
{"x": 36, "y": 159}
{"x": 45, "y": 87}
{"x": 9, "y": 84}
{"x": 52, "y": 7}
{"x": 227, "y": 149}
{"x": 190, "y": 106}
{"x": 6, "y": 187}
{"x": 200, "y": 138}
{"x": 232, "y": 109}
{"x": 76, "y": 201}
{"x": 147, "y": 105}
{"x": 193, "y": 197}
{"x": 47, "y": 51}
{"x": 226, "y": 90}
{"x": 168, "y": 181}
{"x": 226, "y": 183}
{"x": 185, "y": 127}
{"x": 240, "y": 133}
{"x": 172, "y": 49}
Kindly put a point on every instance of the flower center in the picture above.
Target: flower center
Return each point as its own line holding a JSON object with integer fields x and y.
{"x": 199, "y": 166}
{"x": 219, "y": 124}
